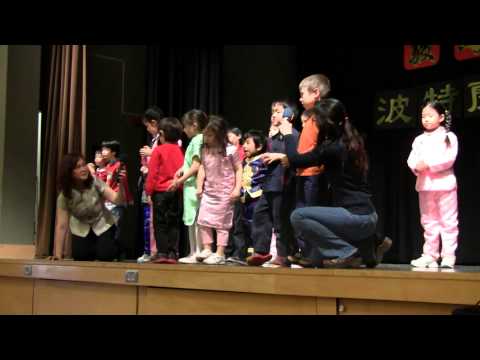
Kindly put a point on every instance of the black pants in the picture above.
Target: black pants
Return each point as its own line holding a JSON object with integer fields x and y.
{"x": 240, "y": 236}
{"x": 93, "y": 247}
{"x": 287, "y": 234}
{"x": 166, "y": 213}
{"x": 267, "y": 216}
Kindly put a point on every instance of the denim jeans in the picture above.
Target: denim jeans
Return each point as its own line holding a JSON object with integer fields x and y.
{"x": 146, "y": 228}
{"x": 332, "y": 232}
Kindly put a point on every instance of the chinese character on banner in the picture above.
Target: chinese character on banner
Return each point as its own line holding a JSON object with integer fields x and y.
{"x": 464, "y": 52}
{"x": 396, "y": 109}
{"x": 472, "y": 98}
{"x": 420, "y": 56}
{"x": 447, "y": 94}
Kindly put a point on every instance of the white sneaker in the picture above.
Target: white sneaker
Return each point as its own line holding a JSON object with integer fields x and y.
{"x": 424, "y": 261}
{"x": 296, "y": 266}
{"x": 192, "y": 259}
{"x": 448, "y": 262}
{"x": 145, "y": 258}
{"x": 205, "y": 253}
{"x": 269, "y": 264}
{"x": 215, "y": 259}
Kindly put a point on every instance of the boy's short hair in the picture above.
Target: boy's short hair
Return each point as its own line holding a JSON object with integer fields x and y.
{"x": 153, "y": 113}
{"x": 258, "y": 138}
{"x": 287, "y": 104}
{"x": 172, "y": 129}
{"x": 113, "y": 145}
{"x": 316, "y": 81}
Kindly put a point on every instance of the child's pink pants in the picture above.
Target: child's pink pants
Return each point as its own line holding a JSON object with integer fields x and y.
{"x": 438, "y": 215}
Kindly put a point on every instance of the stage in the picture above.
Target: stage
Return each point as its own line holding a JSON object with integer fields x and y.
{"x": 68, "y": 287}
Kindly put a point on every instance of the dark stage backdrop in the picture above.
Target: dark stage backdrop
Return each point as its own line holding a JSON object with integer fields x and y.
{"x": 184, "y": 78}
{"x": 356, "y": 75}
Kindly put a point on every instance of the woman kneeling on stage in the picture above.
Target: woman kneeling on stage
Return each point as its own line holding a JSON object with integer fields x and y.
{"x": 80, "y": 208}
{"x": 344, "y": 234}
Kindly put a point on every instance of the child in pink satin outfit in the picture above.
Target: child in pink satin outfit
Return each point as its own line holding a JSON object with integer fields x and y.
{"x": 431, "y": 160}
{"x": 219, "y": 181}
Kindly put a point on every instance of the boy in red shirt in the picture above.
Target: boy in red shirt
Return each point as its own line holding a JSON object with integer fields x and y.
{"x": 166, "y": 159}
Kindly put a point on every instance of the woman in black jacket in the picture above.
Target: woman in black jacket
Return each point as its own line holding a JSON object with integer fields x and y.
{"x": 342, "y": 235}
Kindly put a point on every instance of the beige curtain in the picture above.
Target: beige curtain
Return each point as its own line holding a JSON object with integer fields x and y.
{"x": 65, "y": 131}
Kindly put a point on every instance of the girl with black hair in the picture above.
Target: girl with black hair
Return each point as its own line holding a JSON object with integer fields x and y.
{"x": 431, "y": 160}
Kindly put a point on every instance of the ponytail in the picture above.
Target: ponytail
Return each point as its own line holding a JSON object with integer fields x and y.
{"x": 355, "y": 145}
{"x": 448, "y": 125}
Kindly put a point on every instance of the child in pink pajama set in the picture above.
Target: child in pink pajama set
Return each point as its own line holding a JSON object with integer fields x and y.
{"x": 219, "y": 181}
{"x": 431, "y": 160}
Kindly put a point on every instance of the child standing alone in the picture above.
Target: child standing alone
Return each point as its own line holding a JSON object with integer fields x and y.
{"x": 431, "y": 160}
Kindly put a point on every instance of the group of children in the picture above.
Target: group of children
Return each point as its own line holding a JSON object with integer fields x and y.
{"x": 237, "y": 192}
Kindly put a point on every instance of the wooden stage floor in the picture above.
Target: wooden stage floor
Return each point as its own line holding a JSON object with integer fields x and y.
{"x": 69, "y": 287}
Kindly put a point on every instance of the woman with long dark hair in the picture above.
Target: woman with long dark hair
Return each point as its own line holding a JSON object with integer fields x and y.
{"x": 343, "y": 234}
{"x": 80, "y": 208}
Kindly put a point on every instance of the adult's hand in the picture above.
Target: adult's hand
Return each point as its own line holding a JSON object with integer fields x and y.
{"x": 268, "y": 158}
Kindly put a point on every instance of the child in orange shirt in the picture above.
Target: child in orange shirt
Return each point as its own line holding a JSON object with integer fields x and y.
{"x": 311, "y": 185}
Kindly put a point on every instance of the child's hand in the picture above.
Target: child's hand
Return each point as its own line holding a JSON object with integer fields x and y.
{"x": 173, "y": 186}
{"x": 149, "y": 200}
{"x": 178, "y": 174}
{"x": 235, "y": 195}
{"x": 421, "y": 166}
{"x": 285, "y": 127}
{"x": 91, "y": 168}
{"x": 144, "y": 169}
{"x": 145, "y": 151}
{"x": 273, "y": 131}
{"x": 199, "y": 193}
{"x": 121, "y": 175}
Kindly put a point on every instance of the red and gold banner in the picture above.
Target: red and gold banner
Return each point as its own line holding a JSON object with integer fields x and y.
{"x": 420, "y": 56}
{"x": 465, "y": 52}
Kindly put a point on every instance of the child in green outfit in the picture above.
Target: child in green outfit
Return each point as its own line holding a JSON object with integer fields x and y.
{"x": 194, "y": 122}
